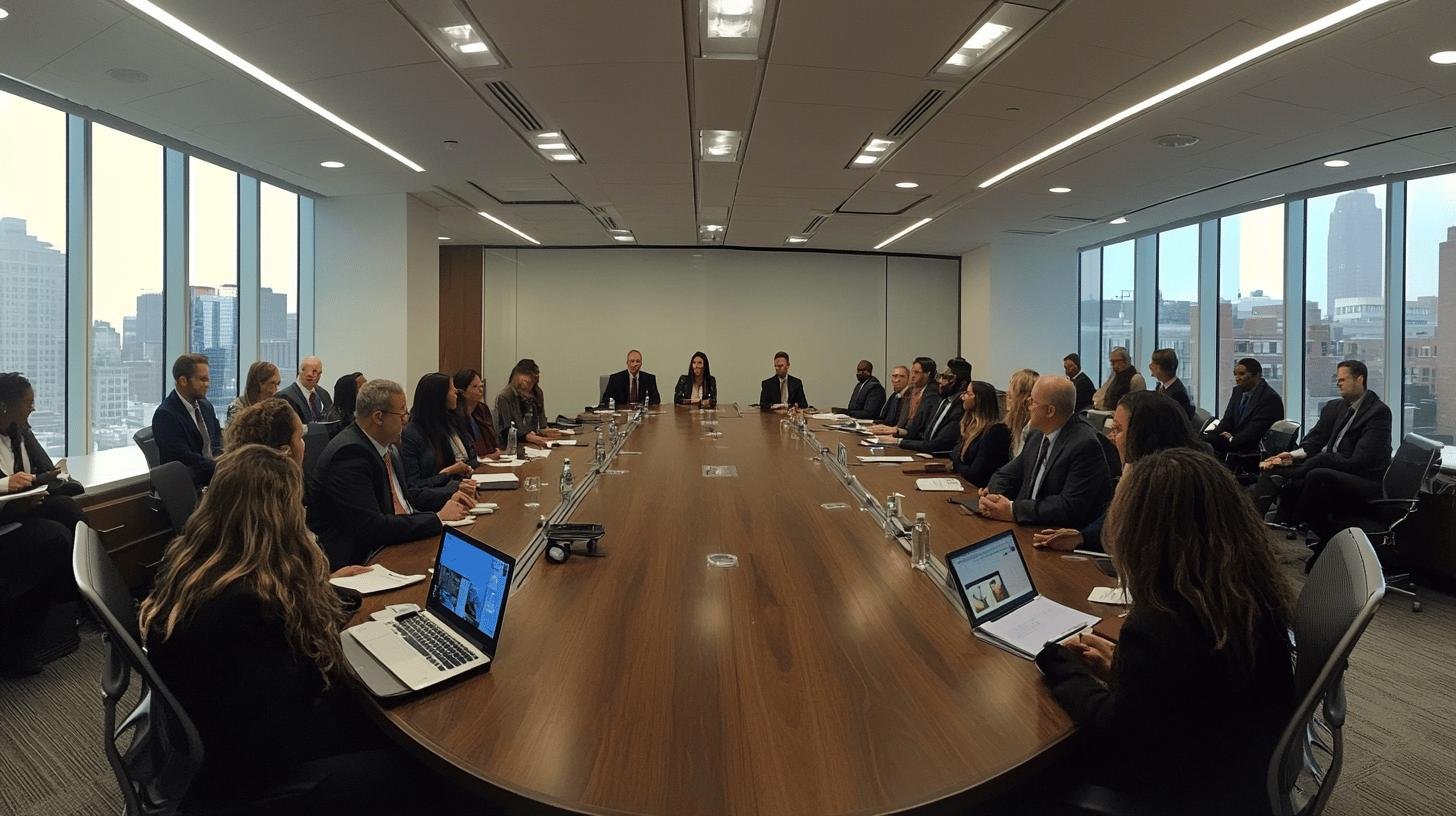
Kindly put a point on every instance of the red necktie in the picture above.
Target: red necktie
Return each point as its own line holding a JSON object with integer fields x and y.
{"x": 399, "y": 509}
{"x": 632, "y": 394}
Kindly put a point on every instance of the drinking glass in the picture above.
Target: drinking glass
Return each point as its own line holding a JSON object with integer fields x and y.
{"x": 533, "y": 487}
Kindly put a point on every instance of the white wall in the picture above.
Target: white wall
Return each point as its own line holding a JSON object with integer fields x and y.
{"x": 1018, "y": 308}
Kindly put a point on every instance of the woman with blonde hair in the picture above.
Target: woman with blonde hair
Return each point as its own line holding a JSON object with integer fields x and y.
{"x": 261, "y": 383}
{"x": 1018, "y": 406}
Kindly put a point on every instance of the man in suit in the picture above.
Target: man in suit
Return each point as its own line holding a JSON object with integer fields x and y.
{"x": 632, "y": 384}
{"x": 1164, "y": 368}
{"x": 184, "y": 425}
{"x": 867, "y": 399}
{"x": 1123, "y": 380}
{"x": 1341, "y": 460}
{"x": 943, "y": 425}
{"x": 916, "y": 406}
{"x": 1072, "y": 364}
{"x": 357, "y": 496}
{"x": 310, "y": 400}
{"x": 1061, "y": 475}
{"x": 782, "y": 390}
{"x": 1252, "y": 408}
{"x": 900, "y": 392}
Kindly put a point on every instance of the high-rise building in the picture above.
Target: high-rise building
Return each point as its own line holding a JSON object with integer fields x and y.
{"x": 1446, "y": 336}
{"x": 33, "y": 313}
{"x": 274, "y": 342}
{"x": 109, "y": 383}
{"x": 214, "y": 332}
{"x": 1353, "y": 263}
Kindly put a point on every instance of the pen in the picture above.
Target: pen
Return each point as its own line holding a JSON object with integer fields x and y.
{"x": 1059, "y": 638}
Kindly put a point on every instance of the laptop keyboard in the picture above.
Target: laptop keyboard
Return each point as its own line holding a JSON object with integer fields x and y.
{"x": 439, "y": 647}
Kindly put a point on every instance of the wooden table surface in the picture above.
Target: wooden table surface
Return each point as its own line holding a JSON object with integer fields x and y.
{"x": 820, "y": 675}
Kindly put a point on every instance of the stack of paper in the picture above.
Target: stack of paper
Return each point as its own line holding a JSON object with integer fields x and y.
{"x": 556, "y": 443}
{"x": 535, "y": 453}
{"x": 497, "y": 481}
{"x": 505, "y": 463}
{"x": 830, "y": 416}
{"x": 948, "y": 485}
{"x": 378, "y": 579}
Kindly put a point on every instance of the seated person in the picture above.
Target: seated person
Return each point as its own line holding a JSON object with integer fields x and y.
{"x": 437, "y": 462}
{"x": 522, "y": 404}
{"x": 1072, "y": 364}
{"x": 889, "y": 414}
{"x": 783, "y": 390}
{"x": 985, "y": 441}
{"x": 357, "y": 502}
{"x": 346, "y": 391}
{"x": 475, "y": 415}
{"x": 184, "y": 425}
{"x": 917, "y": 407}
{"x": 1124, "y": 378}
{"x": 868, "y": 397}
{"x": 942, "y": 427}
{"x": 1164, "y": 368}
{"x": 1252, "y": 408}
{"x": 261, "y": 384}
{"x": 632, "y": 385}
{"x": 243, "y": 627}
{"x": 698, "y": 387}
{"x": 1061, "y": 475}
{"x": 1185, "y": 709}
{"x": 1018, "y": 406}
{"x": 305, "y": 394}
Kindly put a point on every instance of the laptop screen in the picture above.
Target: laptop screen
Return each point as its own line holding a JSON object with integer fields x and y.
{"x": 470, "y": 585}
{"x": 991, "y": 576}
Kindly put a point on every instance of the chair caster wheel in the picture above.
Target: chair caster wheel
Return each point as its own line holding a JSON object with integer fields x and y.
{"x": 1415, "y": 606}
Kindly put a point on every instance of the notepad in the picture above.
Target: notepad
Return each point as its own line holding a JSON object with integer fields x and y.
{"x": 1035, "y": 624}
{"x": 496, "y": 481}
{"x": 556, "y": 443}
{"x": 1110, "y": 595}
{"x": 505, "y": 463}
{"x": 871, "y": 442}
{"x": 874, "y": 459}
{"x": 34, "y": 491}
{"x": 378, "y": 579}
{"x": 942, "y": 484}
{"x": 535, "y": 453}
{"x": 830, "y": 416}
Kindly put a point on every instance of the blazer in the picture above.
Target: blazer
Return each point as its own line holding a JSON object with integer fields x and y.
{"x": 178, "y": 440}
{"x": 40, "y": 461}
{"x": 890, "y": 412}
{"x": 938, "y": 438}
{"x": 424, "y": 485}
{"x": 867, "y": 399}
{"x": 1075, "y": 488}
{"x": 619, "y": 387}
{"x": 350, "y": 508}
{"x": 768, "y": 393}
{"x": 1179, "y": 394}
{"x": 1265, "y": 408}
{"x": 916, "y": 425}
{"x": 987, "y": 453}
{"x": 508, "y": 409}
{"x": 1085, "y": 390}
{"x": 295, "y": 397}
{"x": 479, "y": 430}
{"x": 683, "y": 391}
{"x": 1365, "y": 449}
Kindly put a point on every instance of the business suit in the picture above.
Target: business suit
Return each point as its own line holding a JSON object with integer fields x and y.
{"x": 1363, "y": 453}
{"x": 988, "y": 452}
{"x": 916, "y": 425}
{"x": 891, "y": 410}
{"x": 424, "y": 485}
{"x": 294, "y": 395}
{"x": 619, "y": 387}
{"x": 350, "y": 507}
{"x": 1085, "y": 390}
{"x": 1247, "y": 421}
{"x": 58, "y": 506}
{"x": 528, "y": 415}
{"x": 867, "y": 399}
{"x": 178, "y": 439}
{"x": 768, "y": 393}
{"x": 1177, "y": 392}
{"x": 683, "y": 391}
{"x": 942, "y": 427}
{"x": 1076, "y": 484}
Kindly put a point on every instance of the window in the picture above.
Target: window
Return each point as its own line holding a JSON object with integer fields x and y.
{"x": 128, "y": 355}
{"x": 1251, "y": 296}
{"x": 33, "y": 259}
{"x": 278, "y": 258}
{"x": 1430, "y": 260}
{"x": 1344, "y": 291}
{"x": 212, "y": 275}
{"x": 1090, "y": 310}
{"x": 1117, "y": 300}
{"x": 1178, "y": 301}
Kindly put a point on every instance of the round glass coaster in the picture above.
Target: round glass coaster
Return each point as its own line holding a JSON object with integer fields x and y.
{"x": 722, "y": 560}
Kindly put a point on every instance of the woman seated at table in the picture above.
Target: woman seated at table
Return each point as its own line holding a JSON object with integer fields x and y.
{"x": 261, "y": 384}
{"x": 1186, "y": 707}
{"x": 1018, "y": 406}
{"x": 697, "y": 388}
{"x": 243, "y": 626}
{"x": 346, "y": 395}
{"x": 985, "y": 442}
{"x": 437, "y": 462}
{"x": 474, "y": 414}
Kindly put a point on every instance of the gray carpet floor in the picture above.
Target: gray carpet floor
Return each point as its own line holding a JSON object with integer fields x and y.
{"x": 1400, "y": 750}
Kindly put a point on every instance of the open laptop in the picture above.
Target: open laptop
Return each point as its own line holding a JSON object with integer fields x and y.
{"x": 459, "y": 627}
{"x": 1002, "y": 602}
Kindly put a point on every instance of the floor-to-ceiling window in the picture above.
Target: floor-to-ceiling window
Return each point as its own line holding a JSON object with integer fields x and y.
{"x": 212, "y": 274}
{"x": 278, "y": 271}
{"x": 1429, "y": 403}
{"x": 1089, "y": 310}
{"x": 1117, "y": 300}
{"x": 1251, "y": 295}
{"x": 1177, "y": 303}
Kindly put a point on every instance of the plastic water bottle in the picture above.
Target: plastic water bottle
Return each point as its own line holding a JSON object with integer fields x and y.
{"x": 565, "y": 480}
{"x": 892, "y": 512}
{"x": 511, "y": 436}
{"x": 920, "y": 543}
{"x": 613, "y": 432}
{"x": 612, "y": 404}
{"x": 600, "y": 447}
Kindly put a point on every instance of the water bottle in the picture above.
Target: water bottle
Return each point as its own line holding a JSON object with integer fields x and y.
{"x": 920, "y": 543}
{"x": 565, "y": 480}
{"x": 892, "y": 512}
{"x": 613, "y": 432}
{"x": 511, "y": 437}
{"x": 600, "y": 447}
{"x": 612, "y": 404}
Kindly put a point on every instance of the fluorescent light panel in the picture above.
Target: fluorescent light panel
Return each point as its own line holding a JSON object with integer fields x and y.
{"x": 873, "y": 151}
{"x": 719, "y": 145}
{"x": 454, "y": 32}
{"x": 730, "y": 29}
{"x": 904, "y": 232}
{"x": 212, "y": 46}
{"x": 492, "y": 219}
{"x": 991, "y": 35}
{"x": 554, "y": 144}
{"x": 1288, "y": 38}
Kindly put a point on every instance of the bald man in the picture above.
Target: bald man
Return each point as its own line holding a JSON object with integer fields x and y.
{"x": 1061, "y": 476}
{"x": 309, "y": 399}
{"x": 867, "y": 399}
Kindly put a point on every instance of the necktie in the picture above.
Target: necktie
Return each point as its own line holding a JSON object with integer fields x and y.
{"x": 784, "y": 391}
{"x": 399, "y": 508}
{"x": 202, "y": 431}
{"x": 1041, "y": 457}
{"x": 1243, "y": 406}
{"x": 632, "y": 393}
{"x": 1344, "y": 426}
{"x": 853, "y": 395}
{"x": 944, "y": 409}
{"x": 313, "y": 405}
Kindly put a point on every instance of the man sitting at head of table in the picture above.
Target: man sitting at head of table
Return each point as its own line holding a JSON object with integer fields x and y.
{"x": 782, "y": 390}
{"x": 1124, "y": 378}
{"x": 521, "y": 403}
{"x": 1061, "y": 476}
{"x": 309, "y": 399}
{"x": 632, "y": 385}
{"x": 868, "y": 397}
{"x": 899, "y": 397}
{"x": 915, "y": 406}
{"x": 357, "y": 499}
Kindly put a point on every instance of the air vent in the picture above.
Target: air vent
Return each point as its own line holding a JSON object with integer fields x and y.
{"x": 604, "y": 218}
{"x": 814, "y": 223}
{"x": 1069, "y": 220}
{"x": 916, "y": 112}
{"x": 513, "y": 102}
{"x": 1041, "y": 233}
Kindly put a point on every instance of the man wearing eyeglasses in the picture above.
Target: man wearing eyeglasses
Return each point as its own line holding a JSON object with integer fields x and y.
{"x": 357, "y": 498}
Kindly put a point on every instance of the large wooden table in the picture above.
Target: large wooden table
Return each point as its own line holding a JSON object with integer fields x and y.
{"x": 820, "y": 675}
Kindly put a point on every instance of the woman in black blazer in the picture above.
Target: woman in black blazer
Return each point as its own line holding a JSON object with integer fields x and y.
{"x": 985, "y": 443}
{"x": 1186, "y": 707}
{"x": 697, "y": 387}
{"x": 437, "y": 460}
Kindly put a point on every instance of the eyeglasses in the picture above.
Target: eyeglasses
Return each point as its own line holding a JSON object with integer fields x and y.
{"x": 404, "y": 415}
{"x": 944, "y": 377}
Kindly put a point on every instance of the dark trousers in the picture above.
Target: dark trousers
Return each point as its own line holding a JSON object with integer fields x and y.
{"x": 1283, "y": 483}
{"x": 1330, "y": 495}
{"x": 35, "y": 573}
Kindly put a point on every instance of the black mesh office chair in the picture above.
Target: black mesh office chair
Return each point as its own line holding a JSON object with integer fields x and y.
{"x": 173, "y": 485}
{"x": 144, "y": 440}
{"x": 1098, "y": 420}
{"x": 1281, "y": 437}
{"x": 1201, "y": 420}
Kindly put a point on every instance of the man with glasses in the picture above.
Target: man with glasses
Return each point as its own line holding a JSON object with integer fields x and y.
{"x": 1123, "y": 380}
{"x": 917, "y": 405}
{"x": 943, "y": 426}
{"x": 357, "y": 498}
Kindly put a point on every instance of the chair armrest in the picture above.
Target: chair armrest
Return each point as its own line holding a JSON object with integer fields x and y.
{"x": 1394, "y": 502}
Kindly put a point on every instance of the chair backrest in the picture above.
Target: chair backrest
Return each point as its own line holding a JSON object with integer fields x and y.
{"x": 1098, "y": 419}
{"x": 1281, "y": 437}
{"x": 144, "y": 440}
{"x": 1340, "y": 597}
{"x": 1201, "y": 418}
{"x": 163, "y": 750}
{"x": 172, "y": 483}
{"x": 602, "y": 383}
{"x": 1415, "y": 461}
{"x": 315, "y": 438}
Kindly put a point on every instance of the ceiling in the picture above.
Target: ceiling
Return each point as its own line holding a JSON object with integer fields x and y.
{"x": 624, "y": 82}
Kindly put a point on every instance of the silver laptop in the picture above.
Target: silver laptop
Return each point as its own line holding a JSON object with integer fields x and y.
{"x": 459, "y": 627}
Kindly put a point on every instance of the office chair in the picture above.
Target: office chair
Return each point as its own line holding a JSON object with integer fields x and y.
{"x": 315, "y": 438}
{"x": 1281, "y": 437}
{"x": 1099, "y": 419}
{"x": 9, "y": 528}
{"x": 1339, "y": 599}
{"x": 172, "y": 483}
{"x": 144, "y": 440}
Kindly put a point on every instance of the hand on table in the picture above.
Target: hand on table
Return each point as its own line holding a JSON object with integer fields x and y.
{"x": 345, "y": 572}
{"x": 453, "y": 510}
{"x": 1063, "y": 538}
{"x": 1095, "y": 652}
{"x": 464, "y": 501}
{"x": 995, "y": 506}
{"x": 456, "y": 469}
{"x": 882, "y": 430}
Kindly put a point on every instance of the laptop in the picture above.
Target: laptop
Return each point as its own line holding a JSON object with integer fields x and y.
{"x": 459, "y": 627}
{"x": 1002, "y": 602}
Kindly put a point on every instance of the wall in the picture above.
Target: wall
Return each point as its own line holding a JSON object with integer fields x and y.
{"x": 1018, "y": 308}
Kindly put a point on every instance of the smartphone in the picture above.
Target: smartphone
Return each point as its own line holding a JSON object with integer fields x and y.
{"x": 48, "y": 476}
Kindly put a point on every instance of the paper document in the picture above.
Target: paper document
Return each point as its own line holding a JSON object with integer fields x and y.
{"x": 567, "y": 431}
{"x": 496, "y": 478}
{"x": 1110, "y": 595}
{"x": 34, "y": 491}
{"x": 1035, "y": 624}
{"x": 556, "y": 443}
{"x": 946, "y": 484}
{"x": 871, "y": 441}
{"x": 830, "y": 416}
{"x": 535, "y": 453}
{"x": 465, "y": 522}
{"x": 872, "y": 459}
{"x": 378, "y": 579}
{"x": 505, "y": 463}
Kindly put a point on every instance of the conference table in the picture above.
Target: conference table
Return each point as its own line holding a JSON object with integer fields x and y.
{"x": 821, "y": 674}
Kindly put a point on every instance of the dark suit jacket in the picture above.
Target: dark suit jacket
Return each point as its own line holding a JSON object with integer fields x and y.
{"x": 178, "y": 439}
{"x": 683, "y": 391}
{"x": 890, "y": 413}
{"x": 987, "y": 453}
{"x": 424, "y": 485}
{"x": 768, "y": 393}
{"x": 1365, "y": 449}
{"x": 619, "y": 388}
{"x": 916, "y": 426}
{"x": 1265, "y": 408}
{"x": 866, "y": 400}
{"x": 1085, "y": 390}
{"x": 1076, "y": 485}
{"x": 349, "y": 503}
{"x": 932, "y": 438}
{"x": 295, "y": 397}
{"x": 1179, "y": 394}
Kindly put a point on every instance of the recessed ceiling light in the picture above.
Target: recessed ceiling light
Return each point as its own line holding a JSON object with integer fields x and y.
{"x": 730, "y": 29}
{"x": 713, "y": 227}
{"x": 865, "y": 158}
{"x": 1444, "y": 58}
{"x": 4, "y": 14}
{"x": 492, "y": 219}
{"x": 1118, "y": 220}
{"x": 564, "y": 156}
{"x": 623, "y": 238}
{"x": 902, "y": 233}
{"x": 796, "y": 239}
{"x": 549, "y": 135}
{"x": 1288, "y": 38}
{"x": 719, "y": 145}
{"x": 1176, "y": 140}
{"x": 1059, "y": 189}
{"x": 472, "y": 48}
{"x": 907, "y": 185}
{"x": 552, "y": 146}
{"x": 991, "y": 36}
{"x": 1337, "y": 163}
{"x": 332, "y": 165}
{"x": 442, "y": 237}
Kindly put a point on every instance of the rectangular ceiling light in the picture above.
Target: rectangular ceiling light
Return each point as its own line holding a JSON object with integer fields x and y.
{"x": 719, "y": 145}
{"x": 554, "y": 145}
{"x": 987, "y": 39}
{"x": 904, "y": 232}
{"x": 624, "y": 236}
{"x": 213, "y": 47}
{"x": 795, "y": 240}
{"x": 1286, "y": 39}
{"x": 874, "y": 151}
{"x": 454, "y": 32}
{"x": 730, "y": 29}
{"x": 492, "y": 219}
